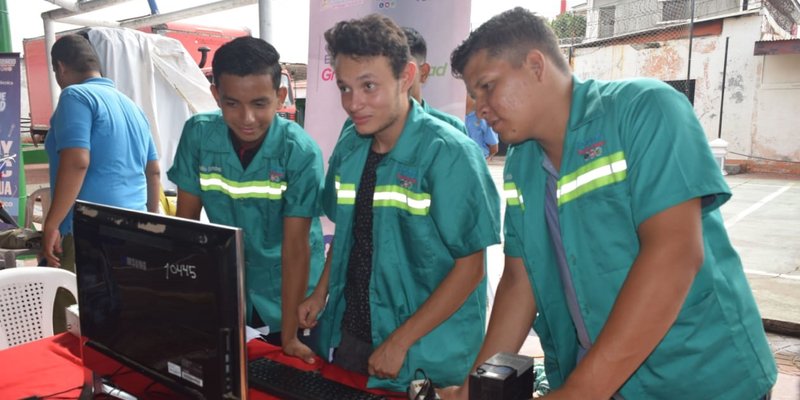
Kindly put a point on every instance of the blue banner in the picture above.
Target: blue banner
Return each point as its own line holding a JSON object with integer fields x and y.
{"x": 10, "y": 154}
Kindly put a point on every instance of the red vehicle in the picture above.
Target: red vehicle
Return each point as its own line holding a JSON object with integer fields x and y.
{"x": 200, "y": 41}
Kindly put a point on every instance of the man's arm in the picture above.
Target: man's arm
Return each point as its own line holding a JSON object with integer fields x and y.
{"x": 189, "y": 205}
{"x": 451, "y": 293}
{"x": 670, "y": 256}
{"x": 493, "y": 149}
{"x": 308, "y": 311}
{"x": 295, "y": 259}
{"x": 153, "y": 175}
{"x": 72, "y": 166}
{"x": 512, "y": 316}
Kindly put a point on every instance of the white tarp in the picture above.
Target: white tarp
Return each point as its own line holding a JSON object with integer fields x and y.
{"x": 161, "y": 77}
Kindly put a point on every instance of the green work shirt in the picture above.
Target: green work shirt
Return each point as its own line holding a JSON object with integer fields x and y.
{"x": 441, "y": 115}
{"x": 633, "y": 149}
{"x": 284, "y": 179}
{"x": 434, "y": 202}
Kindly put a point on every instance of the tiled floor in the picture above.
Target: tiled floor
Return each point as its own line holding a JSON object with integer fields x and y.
{"x": 787, "y": 356}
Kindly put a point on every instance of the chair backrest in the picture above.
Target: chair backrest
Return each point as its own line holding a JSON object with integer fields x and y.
{"x": 27, "y": 295}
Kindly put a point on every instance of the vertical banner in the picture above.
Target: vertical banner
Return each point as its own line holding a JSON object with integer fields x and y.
{"x": 443, "y": 23}
{"x": 10, "y": 156}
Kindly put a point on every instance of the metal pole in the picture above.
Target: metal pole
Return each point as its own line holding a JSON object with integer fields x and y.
{"x": 265, "y": 20}
{"x": 5, "y": 29}
{"x": 49, "y": 40}
{"x": 689, "y": 66}
{"x": 722, "y": 97}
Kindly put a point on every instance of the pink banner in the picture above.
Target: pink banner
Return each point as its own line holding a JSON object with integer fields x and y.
{"x": 443, "y": 23}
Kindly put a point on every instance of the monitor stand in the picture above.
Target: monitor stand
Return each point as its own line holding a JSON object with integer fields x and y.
{"x": 95, "y": 384}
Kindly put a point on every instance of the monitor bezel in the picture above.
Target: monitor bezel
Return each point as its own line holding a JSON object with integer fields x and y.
{"x": 238, "y": 372}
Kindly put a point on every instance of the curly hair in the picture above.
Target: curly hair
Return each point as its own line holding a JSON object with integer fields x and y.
{"x": 513, "y": 34}
{"x": 76, "y": 52}
{"x": 247, "y": 55}
{"x": 416, "y": 44}
{"x": 371, "y": 36}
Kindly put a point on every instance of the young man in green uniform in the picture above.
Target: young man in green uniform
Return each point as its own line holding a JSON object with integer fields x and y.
{"x": 419, "y": 52}
{"x": 613, "y": 217}
{"x": 415, "y": 209}
{"x": 251, "y": 169}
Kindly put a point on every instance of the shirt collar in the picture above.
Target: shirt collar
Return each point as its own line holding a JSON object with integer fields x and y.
{"x": 405, "y": 150}
{"x": 587, "y": 104}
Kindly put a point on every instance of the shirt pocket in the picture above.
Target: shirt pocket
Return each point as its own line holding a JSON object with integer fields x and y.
{"x": 416, "y": 237}
{"x": 605, "y": 216}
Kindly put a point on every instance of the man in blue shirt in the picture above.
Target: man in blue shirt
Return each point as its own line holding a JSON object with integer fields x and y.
{"x": 99, "y": 145}
{"x": 479, "y": 131}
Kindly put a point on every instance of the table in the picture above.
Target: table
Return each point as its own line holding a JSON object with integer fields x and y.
{"x": 52, "y": 367}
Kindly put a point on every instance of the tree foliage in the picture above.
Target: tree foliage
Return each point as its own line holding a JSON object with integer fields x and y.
{"x": 568, "y": 25}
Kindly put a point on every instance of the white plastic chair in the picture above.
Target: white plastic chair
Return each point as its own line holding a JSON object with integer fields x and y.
{"x": 26, "y": 302}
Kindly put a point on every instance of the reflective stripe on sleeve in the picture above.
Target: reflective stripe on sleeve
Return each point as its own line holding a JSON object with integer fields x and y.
{"x": 345, "y": 192}
{"x": 513, "y": 195}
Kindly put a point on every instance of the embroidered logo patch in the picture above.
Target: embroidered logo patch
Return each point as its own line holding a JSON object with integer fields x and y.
{"x": 275, "y": 176}
{"x": 591, "y": 147}
{"x": 407, "y": 177}
{"x": 406, "y": 181}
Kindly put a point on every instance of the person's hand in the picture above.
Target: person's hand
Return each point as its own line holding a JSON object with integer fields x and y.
{"x": 295, "y": 348}
{"x": 387, "y": 359}
{"x": 454, "y": 393}
{"x": 565, "y": 394}
{"x": 51, "y": 245}
{"x": 309, "y": 309}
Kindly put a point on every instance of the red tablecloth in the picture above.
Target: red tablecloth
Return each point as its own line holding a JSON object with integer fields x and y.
{"x": 53, "y": 366}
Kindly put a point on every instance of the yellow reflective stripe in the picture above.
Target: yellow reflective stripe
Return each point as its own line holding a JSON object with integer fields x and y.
{"x": 601, "y": 172}
{"x": 402, "y": 198}
{"x": 512, "y": 194}
{"x": 345, "y": 192}
{"x": 238, "y": 190}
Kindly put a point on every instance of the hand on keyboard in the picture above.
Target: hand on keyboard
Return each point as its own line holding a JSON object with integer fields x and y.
{"x": 295, "y": 348}
{"x": 293, "y": 384}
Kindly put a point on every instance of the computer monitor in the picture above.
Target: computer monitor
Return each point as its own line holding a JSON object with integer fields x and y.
{"x": 161, "y": 303}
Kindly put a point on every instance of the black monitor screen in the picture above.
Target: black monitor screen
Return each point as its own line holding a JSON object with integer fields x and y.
{"x": 163, "y": 296}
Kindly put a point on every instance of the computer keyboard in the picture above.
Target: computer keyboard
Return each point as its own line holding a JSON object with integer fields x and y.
{"x": 294, "y": 384}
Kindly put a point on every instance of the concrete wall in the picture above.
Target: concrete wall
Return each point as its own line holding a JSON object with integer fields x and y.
{"x": 761, "y": 110}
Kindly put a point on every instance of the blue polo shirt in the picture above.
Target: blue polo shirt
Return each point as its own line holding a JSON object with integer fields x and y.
{"x": 480, "y": 131}
{"x": 94, "y": 115}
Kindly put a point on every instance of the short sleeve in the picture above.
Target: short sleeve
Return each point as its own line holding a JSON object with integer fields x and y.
{"x": 489, "y": 136}
{"x": 185, "y": 168}
{"x": 512, "y": 246}
{"x": 73, "y": 117}
{"x": 459, "y": 170}
{"x": 152, "y": 150}
{"x": 329, "y": 190}
{"x": 303, "y": 178}
{"x": 667, "y": 154}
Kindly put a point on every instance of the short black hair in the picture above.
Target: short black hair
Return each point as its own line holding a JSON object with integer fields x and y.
{"x": 245, "y": 56}
{"x": 371, "y": 36}
{"x": 512, "y": 33}
{"x": 416, "y": 44}
{"x": 76, "y": 52}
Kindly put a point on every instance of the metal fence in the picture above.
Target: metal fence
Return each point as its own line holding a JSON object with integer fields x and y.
{"x": 641, "y": 38}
